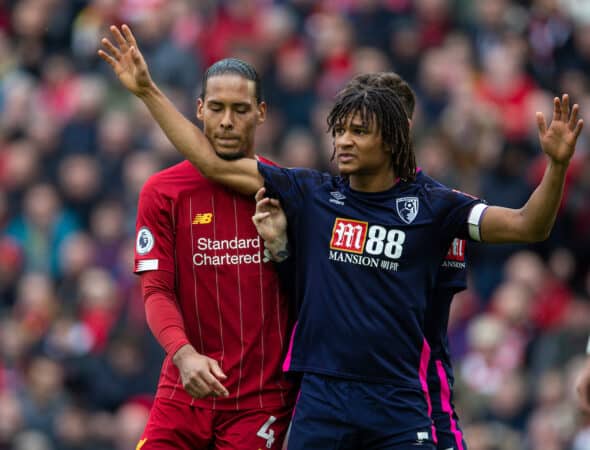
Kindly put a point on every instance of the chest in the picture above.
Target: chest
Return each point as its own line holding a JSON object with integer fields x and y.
{"x": 214, "y": 232}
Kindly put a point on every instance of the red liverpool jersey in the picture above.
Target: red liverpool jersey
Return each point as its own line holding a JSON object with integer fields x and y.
{"x": 230, "y": 300}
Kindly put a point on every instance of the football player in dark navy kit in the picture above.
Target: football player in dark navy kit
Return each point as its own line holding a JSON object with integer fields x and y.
{"x": 452, "y": 278}
{"x": 365, "y": 272}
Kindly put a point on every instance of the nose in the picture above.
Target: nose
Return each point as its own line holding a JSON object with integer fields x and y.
{"x": 343, "y": 140}
{"x": 227, "y": 120}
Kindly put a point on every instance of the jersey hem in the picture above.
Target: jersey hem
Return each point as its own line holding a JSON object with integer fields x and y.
{"x": 229, "y": 404}
{"x": 347, "y": 376}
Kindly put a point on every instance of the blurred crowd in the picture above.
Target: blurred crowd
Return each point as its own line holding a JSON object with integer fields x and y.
{"x": 78, "y": 365}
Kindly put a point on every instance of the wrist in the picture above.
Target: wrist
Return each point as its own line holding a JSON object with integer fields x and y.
{"x": 559, "y": 165}
{"x": 277, "y": 250}
{"x": 182, "y": 353}
{"x": 148, "y": 92}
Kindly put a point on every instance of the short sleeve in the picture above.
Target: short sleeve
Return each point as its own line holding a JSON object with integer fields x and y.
{"x": 291, "y": 186}
{"x": 452, "y": 274}
{"x": 154, "y": 239}
{"x": 463, "y": 215}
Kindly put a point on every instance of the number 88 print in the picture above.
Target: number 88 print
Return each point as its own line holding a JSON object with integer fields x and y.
{"x": 350, "y": 236}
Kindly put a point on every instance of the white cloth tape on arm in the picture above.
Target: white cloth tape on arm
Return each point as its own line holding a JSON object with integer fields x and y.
{"x": 474, "y": 220}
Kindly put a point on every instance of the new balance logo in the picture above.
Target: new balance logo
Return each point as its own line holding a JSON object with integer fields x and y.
{"x": 202, "y": 218}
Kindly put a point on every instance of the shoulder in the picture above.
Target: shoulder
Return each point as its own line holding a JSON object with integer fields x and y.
{"x": 435, "y": 190}
{"x": 171, "y": 181}
{"x": 266, "y": 161}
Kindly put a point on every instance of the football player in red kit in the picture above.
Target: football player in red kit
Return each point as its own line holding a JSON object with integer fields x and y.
{"x": 211, "y": 301}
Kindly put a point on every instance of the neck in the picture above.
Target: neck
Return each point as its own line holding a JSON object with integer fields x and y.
{"x": 372, "y": 183}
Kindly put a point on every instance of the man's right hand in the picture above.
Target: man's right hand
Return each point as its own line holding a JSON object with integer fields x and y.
{"x": 200, "y": 374}
{"x": 271, "y": 223}
{"x": 127, "y": 61}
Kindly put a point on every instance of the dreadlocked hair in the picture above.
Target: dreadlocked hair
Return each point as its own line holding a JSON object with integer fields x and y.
{"x": 382, "y": 107}
{"x": 392, "y": 81}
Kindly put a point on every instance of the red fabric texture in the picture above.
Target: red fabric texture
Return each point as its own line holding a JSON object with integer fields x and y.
{"x": 161, "y": 310}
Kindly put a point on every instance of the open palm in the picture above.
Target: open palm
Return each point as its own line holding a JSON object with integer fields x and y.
{"x": 559, "y": 139}
{"x": 126, "y": 60}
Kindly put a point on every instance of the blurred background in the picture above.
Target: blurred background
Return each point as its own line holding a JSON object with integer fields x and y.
{"x": 78, "y": 366}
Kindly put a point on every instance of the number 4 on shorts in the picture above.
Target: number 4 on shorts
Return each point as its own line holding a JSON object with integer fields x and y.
{"x": 266, "y": 433}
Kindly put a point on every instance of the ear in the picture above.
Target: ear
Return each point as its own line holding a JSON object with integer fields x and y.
{"x": 261, "y": 112}
{"x": 200, "y": 109}
{"x": 410, "y": 123}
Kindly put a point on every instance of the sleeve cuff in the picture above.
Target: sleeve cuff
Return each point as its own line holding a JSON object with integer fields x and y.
{"x": 474, "y": 221}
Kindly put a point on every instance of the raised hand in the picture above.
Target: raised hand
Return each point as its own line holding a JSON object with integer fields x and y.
{"x": 559, "y": 139}
{"x": 126, "y": 60}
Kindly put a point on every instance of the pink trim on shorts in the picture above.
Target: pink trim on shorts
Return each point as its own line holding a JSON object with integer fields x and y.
{"x": 445, "y": 398}
{"x": 424, "y": 360}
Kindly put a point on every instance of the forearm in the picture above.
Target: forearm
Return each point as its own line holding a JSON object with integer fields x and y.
{"x": 186, "y": 137}
{"x": 541, "y": 209}
{"x": 162, "y": 314}
{"x": 534, "y": 221}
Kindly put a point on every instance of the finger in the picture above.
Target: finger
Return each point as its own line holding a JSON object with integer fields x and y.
{"x": 108, "y": 58}
{"x": 198, "y": 387}
{"x": 260, "y": 194}
{"x": 574, "y": 116}
{"x": 565, "y": 107}
{"x": 541, "y": 123}
{"x": 129, "y": 35}
{"x": 578, "y": 129}
{"x": 123, "y": 44}
{"x": 556, "y": 109}
{"x": 259, "y": 217}
{"x": 275, "y": 202}
{"x": 263, "y": 205}
{"x": 136, "y": 56}
{"x": 216, "y": 370}
{"x": 216, "y": 375}
{"x": 214, "y": 385}
{"x": 114, "y": 51}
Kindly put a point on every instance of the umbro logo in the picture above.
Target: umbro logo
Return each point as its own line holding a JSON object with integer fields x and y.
{"x": 202, "y": 218}
{"x": 337, "y": 197}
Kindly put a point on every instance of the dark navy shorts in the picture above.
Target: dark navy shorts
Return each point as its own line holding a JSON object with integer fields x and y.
{"x": 339, "y": 414}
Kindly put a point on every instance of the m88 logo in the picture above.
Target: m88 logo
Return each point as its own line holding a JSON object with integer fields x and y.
{"x": 354, "y": 236}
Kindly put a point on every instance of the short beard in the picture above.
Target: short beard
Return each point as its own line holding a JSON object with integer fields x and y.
{"x": 231, "y": 156}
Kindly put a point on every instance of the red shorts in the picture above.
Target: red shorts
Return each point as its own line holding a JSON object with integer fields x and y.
{"x": 174, "y": 425}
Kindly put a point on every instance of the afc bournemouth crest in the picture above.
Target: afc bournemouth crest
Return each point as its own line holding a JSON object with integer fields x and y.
{"x": 407, "y": 208}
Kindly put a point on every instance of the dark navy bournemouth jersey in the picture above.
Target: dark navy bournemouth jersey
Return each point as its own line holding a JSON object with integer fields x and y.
{"x": 366, "y": 265}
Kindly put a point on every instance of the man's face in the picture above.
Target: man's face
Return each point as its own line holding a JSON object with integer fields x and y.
{"x": 359, "y": 148}
{"x": 230, "y": 115}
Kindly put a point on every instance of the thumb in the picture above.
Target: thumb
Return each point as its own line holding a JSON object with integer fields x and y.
{"x": 216, "y": 370}
{"x": 541, "y": 123}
